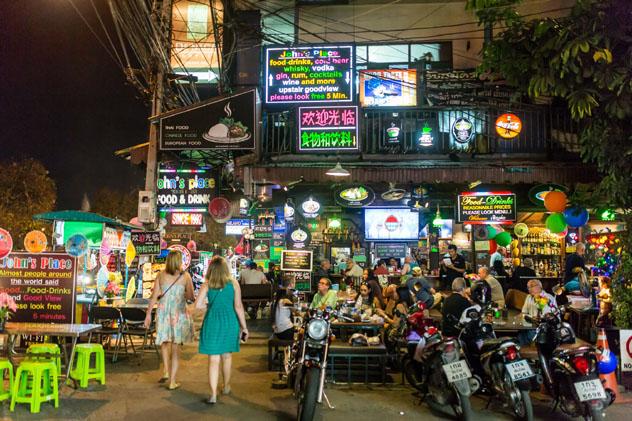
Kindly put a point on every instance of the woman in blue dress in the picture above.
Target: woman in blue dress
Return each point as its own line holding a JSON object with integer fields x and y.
{"x": 220, "y": 333}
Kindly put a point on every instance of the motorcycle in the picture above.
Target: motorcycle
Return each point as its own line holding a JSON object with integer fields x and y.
{"x": 437, "y": 367}
{"x": 570, "y": 375}
{"x": 497, "y": 361}
{"x": 309, "y": 361}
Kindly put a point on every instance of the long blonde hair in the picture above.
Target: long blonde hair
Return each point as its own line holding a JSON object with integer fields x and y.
{"x": 218, "y": 273}
{"x": 173, "y": 262}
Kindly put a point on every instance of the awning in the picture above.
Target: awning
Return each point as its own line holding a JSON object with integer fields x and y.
{"x": 79, "y": 216}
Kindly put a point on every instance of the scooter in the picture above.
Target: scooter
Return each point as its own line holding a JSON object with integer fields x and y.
{"x": 497, "y": 361}
{"x": 570, "y": 376}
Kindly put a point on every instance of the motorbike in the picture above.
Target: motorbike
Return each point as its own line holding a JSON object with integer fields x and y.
{"x": 309, "y": 361}
{"x": 436, "y": 366}
{"x": 497, "y": 361}
{"x": 570, "y": 375}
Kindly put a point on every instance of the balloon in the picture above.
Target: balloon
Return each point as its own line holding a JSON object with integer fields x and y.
{"x": 6, "y": 243}
{"x": 514, "y": 244}
{"x": 555, "y": 201}
{"x": 493, "y": 246}
{"x": 516, "y": 262}
{"x": 607, "y": 363}
{"x": 521, "y": 230}
{"x": 130, "y": 253}
{"x": 515, "y": 252}
{"x": 191, "y": 245}
{"x": 576, "y": 217}
{"x": 491, "y": 232}
{"x": 35, "y": 241}
{"x": 77, "y": 245}
{"x": 163, "y": 244}
{"x": 555, "y": 222}
{"x": 503, "y": 239}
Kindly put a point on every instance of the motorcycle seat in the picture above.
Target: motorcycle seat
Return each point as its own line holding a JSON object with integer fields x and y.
{"x": 490, "y": 344}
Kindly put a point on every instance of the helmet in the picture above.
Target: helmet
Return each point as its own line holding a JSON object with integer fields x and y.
{"x": 481, "y": 293}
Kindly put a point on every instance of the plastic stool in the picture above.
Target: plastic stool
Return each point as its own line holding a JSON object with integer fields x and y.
{"x": 82, "y": 371}
{"x": 53, "y": 354}
{"x": 5, "y": 365}
{"x": 44, "y": 384}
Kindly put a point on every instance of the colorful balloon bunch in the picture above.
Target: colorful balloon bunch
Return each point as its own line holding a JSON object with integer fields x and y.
{"x": 562, "y": 216}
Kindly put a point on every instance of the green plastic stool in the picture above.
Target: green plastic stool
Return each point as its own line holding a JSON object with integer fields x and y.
{"x": 82, "y": 371}
{"x": 34, "y": 351}
{"x": 43, "y": 385}
{"x": 5, "y": 365}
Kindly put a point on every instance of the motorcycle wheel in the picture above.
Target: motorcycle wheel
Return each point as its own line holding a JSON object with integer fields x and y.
{"x": 463, "y": 408}
{"x": 596, "y": 415}
{"x": 411, "y": 375}
{"x": 309, "y": 395}
{"x": 524, "y": 409}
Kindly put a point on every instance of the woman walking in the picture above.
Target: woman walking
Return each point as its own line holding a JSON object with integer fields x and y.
{"x": 173, "y": 324}
{"x": 219, "y": 336}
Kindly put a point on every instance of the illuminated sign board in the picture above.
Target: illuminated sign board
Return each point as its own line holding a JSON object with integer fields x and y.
{"x": 508, "y": 126}
{"x": 146, "y": 243}
{"x": 309, "y": 74}
{"x": 185, "y": 190}
{"x": 388, "y": 88}
{"x": 296, "y": 260}
{"x": 486, "y": 207}
{"x": 187, "y": 219}
{"x": 237, "y": 226}
{"x": 462, "y": 130}
{"x": 328, "y": 128}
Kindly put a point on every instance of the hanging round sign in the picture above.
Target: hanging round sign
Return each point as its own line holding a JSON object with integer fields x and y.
{"x": 6, "y": 243}
{"x": 310, "y": 208}
{"x": 186, "y": 254}
{"x": 220, "y": 210}
{"x": 462, "y": 130}
{"x": 35, "y": 241}
{"x": 77, "y": 245}
{"x": 355, "y": 196}
{"x": 508, "y": 126}
{"x": 299, "y": 237}
{"x": 537, "y": 193}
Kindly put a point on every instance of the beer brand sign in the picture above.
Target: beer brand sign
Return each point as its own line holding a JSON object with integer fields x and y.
{"x": 487, "y": 207}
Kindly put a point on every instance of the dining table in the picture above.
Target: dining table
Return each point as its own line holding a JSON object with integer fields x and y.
{"x": 345, "y": 327}
{"x": 60, "y": 330}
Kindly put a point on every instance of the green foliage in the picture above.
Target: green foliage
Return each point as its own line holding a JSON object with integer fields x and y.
{"x": 585, "y": 60}
{"x": 26, "y": 190}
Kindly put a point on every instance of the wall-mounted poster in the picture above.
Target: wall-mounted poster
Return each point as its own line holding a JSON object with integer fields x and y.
{"x": 328, "y": 128}
{"x": 388, "y": 88}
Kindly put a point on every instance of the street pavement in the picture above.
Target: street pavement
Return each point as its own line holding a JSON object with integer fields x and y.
{"x": 132, "y": 392}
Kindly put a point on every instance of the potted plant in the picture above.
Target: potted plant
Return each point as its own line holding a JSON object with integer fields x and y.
{"x": 112, "y": 290}
{"x": 7, "y": 307}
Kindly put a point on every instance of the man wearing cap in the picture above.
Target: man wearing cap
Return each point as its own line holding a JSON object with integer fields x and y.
{"x": 422, "y": 290}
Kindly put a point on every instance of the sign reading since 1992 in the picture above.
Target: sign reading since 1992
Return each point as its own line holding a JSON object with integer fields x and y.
{"x": 328, "y": 128}
{"x": 146, "y": 243}
{"x": 309, "y": 74}
{"x": 487, "y": 207}
{"x": 296, "y": 260}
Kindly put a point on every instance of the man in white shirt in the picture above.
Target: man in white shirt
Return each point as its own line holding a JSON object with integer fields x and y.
{"x": 353, "y": 270}
{"x": 251, "y": 276}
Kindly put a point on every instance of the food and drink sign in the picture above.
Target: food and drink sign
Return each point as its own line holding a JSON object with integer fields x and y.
{"x": 328, "y": 128}
{"x": 397, "y": 250}
{"x": 42, "y": 285}
{"x": 296, "y": 260}
{"x": 487, "y": 207}
{"x": 309, "y": 74}
{"x": 185, "y": 189}
{"x": 146, "y": 243}
{"x": 226, "y": 122}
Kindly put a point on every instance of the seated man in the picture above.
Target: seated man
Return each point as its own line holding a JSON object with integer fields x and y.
{"x": 324, "y": 297}
{"x": 498, "y": 295}
{"x": 422, "y": 290}
{"x": 453, "y": 308}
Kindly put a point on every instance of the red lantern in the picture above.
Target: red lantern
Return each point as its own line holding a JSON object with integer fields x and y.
{"x": 493, "y": 246}
{"x": 555, "y": 201}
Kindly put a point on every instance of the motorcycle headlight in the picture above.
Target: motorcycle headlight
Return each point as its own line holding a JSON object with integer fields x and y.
{"x": 317, "y": 329}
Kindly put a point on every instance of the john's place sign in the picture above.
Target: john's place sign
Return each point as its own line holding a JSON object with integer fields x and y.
{"x": 487, "y": 207}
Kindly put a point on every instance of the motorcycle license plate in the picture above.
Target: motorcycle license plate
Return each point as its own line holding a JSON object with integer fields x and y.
{"x": 590, "y": 390}
{"x": 519, "y": 370}
{"x": 456, "y": 371}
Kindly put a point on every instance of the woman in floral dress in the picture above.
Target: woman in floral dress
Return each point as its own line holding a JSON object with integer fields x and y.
{"x": 174, "y": 326}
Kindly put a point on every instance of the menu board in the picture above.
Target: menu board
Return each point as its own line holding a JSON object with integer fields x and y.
{"x": 328, "y": 128}
{"x": 397, "y": 250}
{"x": 487, "y": 207}
{"x": 309, "y": 74}
{"x": 146, "y": 243}
{"x": 42, "y": 285}
{"x": 296, "y": 260}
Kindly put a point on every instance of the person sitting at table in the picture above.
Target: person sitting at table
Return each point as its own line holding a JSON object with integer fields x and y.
{"x": 498, "y": 295}
{"x": 366, "y": 299}
{"x": 381, "y": 268}
{"x": 537, "y": 304}
{"x": 453, "y": 308}
{"x": 353, "y": 270}
{"x": 422, "y": 290}
{"x": 393, "y": 320}
{"x": 393, "y": 265}
{"x": 407, "y": 268}
{"x": 376, "y": 289}
{"x": 325, "y": 297}
{"x": 282, "y": 324}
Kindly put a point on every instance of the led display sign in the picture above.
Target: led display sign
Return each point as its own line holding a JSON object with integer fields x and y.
{"x": 309, "y": 74}
{"x": 328, "y": 128}
{"x": 388, "y": 88}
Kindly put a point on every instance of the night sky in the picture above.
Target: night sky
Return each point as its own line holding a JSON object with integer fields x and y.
{"x": 64, "y": 101}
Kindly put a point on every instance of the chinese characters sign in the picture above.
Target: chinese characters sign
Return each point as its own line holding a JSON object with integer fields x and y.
{"x": 146, "y": 243}
{"x": 328, "y": 128}
{"x": 309, "y": 74}
{"x": 487, "y": 207}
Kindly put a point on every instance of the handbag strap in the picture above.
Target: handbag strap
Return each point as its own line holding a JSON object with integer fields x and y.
{"x": 172, "y": 284}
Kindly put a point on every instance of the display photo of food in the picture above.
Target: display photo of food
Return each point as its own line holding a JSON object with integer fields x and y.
{"x": 228, "y": 130}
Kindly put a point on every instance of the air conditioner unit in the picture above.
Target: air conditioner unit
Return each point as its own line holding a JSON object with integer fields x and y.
{"x": 146, "y": 207}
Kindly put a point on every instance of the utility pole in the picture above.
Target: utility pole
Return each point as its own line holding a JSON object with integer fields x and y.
{"x": 157, "y": 99}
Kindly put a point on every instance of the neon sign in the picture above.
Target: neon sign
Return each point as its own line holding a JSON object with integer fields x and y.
{"x": 486, "y": 207}
{"x": 508, "y": 126}
{"x": 328, "y": 128}
{"x": 187, "y": 219}
{"x": 309, "y": 74}
{"x": 462, "y": 130}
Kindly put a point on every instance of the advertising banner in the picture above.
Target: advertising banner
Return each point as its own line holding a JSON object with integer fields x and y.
{"x": 397, "y": 250}
{"x": 185, "y": 188}
{"x": 309, "y": 74}
{"x": 146, "y": 243}
{"x": 226, "y": 122}
{"x": 42, "y": 285}
{"x": 328, "y": 128}
{"x": 388, "y": 88}
{"x": 487, "y": 207}
{"x": 296, "y": 260}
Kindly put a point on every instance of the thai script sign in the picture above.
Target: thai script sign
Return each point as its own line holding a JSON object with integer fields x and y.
{"x": 309, "y": 74}
{"x": 487, "y": 207}
{"x": 328, "y": 128}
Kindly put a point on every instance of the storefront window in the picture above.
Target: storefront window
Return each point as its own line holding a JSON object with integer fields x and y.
{"x": 428, "y": 51}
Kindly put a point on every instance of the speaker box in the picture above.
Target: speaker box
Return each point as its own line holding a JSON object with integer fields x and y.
{"x": 247, "y": 60}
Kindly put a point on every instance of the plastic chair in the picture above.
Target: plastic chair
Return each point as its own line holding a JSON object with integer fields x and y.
{"x": 5, "y": 365}
{"x": 83, "y": 371}
{"x": 45, "y": 352}
{"x": 43, "y": 386}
